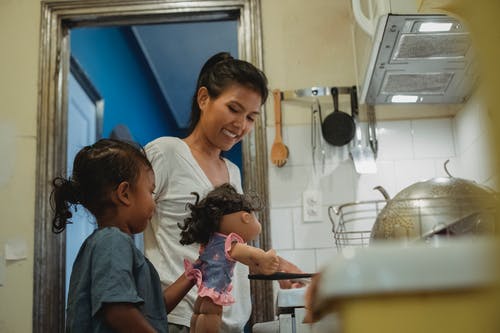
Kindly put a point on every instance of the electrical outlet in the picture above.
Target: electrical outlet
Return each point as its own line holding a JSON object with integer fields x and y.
{"x": 311, "y": 206}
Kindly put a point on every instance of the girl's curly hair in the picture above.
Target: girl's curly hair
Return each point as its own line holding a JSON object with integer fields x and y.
{"x": 97, "y": 170}
{"x": 206, "y": 214}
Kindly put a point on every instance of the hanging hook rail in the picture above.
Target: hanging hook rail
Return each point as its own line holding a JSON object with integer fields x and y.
{"x": 313, "y": 92}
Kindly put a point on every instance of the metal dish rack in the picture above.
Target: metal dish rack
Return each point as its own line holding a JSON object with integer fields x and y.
{"x": 352, "y": 223}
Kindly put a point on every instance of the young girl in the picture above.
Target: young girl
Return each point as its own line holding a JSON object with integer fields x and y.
{"x": 113, "y": 287}
{"x": 222, "y": 223}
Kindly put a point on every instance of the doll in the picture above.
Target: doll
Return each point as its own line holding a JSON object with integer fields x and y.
{"x": 222, "y": 223}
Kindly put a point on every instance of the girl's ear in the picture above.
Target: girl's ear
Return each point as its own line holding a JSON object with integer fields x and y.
{"x": 122, "y": 194}
{"x": 202, "y": 97}
{"x": 246, "y": 217}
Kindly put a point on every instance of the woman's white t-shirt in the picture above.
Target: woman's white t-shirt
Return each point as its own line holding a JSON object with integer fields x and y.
{"x": 177, "y": 174}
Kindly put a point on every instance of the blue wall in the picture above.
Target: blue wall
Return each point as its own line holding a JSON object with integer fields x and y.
{"x": 177, "y": 52}
{"x": 114, "y": 62}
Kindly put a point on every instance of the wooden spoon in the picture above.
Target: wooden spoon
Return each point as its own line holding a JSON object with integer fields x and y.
{"x": 279, "y": 151}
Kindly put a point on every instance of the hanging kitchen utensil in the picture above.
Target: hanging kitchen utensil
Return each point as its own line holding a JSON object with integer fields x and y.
{"x": 372, "y": 129}
{"x": 317, "y": 143}
{"x": 362, "y": 154}
{"x": 338, "y": 127}
{"x": 279, "y": 151}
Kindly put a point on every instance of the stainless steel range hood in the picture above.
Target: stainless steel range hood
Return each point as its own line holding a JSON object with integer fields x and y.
{"x": 419, "y": 59}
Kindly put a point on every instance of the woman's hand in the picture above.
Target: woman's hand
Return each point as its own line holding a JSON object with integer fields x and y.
{"x": 287, "y": 267}
{"x": 310, "y": 315}
{"x": 269, "y": 263}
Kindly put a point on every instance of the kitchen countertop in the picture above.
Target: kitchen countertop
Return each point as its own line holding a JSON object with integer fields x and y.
{"x": 443, "y": 264}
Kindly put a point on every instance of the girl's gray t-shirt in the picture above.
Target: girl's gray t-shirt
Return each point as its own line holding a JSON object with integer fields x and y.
{"x": 110, "y": 269}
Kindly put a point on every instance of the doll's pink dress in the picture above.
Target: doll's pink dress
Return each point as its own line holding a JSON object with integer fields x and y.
{"x": 213, "y": 270}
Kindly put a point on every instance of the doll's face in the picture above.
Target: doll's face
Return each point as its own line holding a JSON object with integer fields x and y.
{"x": 243, "y": 223}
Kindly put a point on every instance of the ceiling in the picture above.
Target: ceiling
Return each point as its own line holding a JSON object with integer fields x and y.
{"x": 175, "y": 53}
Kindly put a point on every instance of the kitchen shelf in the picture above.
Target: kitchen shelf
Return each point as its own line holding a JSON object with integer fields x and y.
{"x": 287, "y": 95}
{"x": 383, "y": 111}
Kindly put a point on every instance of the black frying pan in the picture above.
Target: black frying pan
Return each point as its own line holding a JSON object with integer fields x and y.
{"x": 338, "y": 127}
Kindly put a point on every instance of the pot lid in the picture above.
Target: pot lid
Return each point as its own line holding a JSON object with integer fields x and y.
{"x": 429, "y": 207}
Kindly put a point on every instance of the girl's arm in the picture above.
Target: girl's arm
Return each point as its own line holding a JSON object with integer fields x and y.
{"x": 174, "y": 293}
{"x": 257, "y": 259}
{"x": 125, "y": 317}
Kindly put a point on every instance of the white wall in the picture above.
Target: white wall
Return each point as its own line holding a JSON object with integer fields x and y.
{"x": 19, "y": 40}
{"x": 474, "y": 144}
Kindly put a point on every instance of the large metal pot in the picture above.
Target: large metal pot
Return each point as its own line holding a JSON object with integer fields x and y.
{"x": 440, "y": 205}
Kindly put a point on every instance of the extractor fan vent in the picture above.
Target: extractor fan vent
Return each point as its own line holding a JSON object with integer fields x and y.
{"x": 417, "y": 83}
{"x": 431, "y": 46}
{"x": 419, "y": 59}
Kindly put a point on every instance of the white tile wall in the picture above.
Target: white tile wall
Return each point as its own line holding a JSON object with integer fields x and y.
{"x": 338, "y": 187}
{"x": 395, "y": 140}
{"x": 409, "y": 151}
{"x": 433, "y": 138}
{"x": 287, "y": 183}
{"x": 311, "y": 235}
{"x": 298, "y": 141}
{"x": 474, "y": 157}
{"x": 304, "y": 259}
{"x": 453, "y": 166}
{"x": 468, "y": 124}
{"x": 384, "y": 177}
{"x": 323, "y": 256}
{"x": 408, "y": 172}
{"x": 282, "y": 228}
{"x": 475, "y": 161}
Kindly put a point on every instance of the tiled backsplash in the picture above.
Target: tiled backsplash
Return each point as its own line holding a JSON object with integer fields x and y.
{"x": 409, "y": 151}
{"x": 473, "y": 143}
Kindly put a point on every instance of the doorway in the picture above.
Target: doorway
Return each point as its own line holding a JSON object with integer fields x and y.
{"x": 58, "y": 17}
{"x": 85, "y": 113}
{"x": 146, "y": 74}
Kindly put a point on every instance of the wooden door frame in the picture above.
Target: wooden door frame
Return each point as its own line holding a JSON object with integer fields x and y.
{"x": 57, "y": 17}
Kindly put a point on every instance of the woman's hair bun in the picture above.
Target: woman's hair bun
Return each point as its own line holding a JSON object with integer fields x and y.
{"x": 215, "y": 59}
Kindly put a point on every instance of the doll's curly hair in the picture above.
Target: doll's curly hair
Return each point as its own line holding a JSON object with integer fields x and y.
{"x": 206, "y": 214}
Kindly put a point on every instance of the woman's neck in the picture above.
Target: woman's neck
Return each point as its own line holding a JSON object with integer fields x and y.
{"x": 201, "y": 146}
{"x": 208, "y": 158}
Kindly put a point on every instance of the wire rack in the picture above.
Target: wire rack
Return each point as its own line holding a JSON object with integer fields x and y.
{"x": 352, "y": 223}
